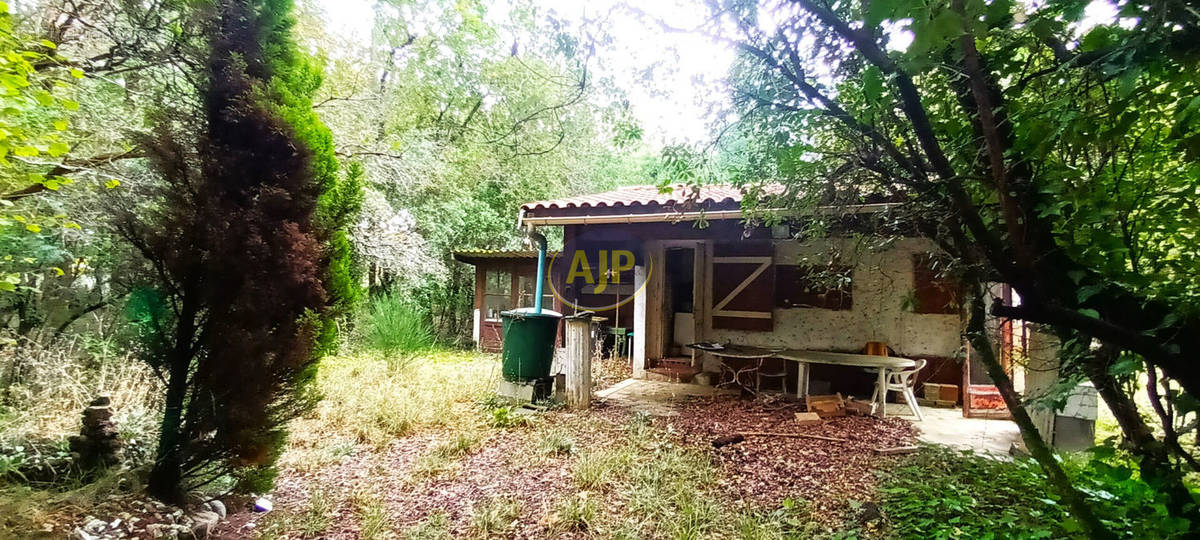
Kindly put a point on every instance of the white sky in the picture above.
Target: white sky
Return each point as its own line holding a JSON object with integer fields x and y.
{"x": 673, "y": 102}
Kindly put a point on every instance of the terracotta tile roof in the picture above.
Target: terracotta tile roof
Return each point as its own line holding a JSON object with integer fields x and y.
{"x": 633, "y": 196}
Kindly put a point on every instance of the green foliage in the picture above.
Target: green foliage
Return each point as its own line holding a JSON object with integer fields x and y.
{"x": 556, "y": 443}
{"x": 449, "y": 154}
{"x": 434, "y": 527}
{"x": 35, "y": 96}
{"x": 394, "y": 325}
{"x": 578, "y": 513}
{"x": 506, "y": 416}
{"x": 296, "y": 78}
{"x": 941, "y": 493}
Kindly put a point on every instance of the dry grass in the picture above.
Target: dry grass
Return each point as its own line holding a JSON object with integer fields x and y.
{"x": 368, "y": 402}
{"x": 45, "y": 388}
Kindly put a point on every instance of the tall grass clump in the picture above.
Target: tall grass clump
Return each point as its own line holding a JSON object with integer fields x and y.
{"x": 392, "y": 325}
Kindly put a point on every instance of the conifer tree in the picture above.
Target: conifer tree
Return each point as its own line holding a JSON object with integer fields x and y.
{"x": 247, "y": 240}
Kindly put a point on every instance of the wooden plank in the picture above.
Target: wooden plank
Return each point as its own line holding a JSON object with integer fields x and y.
{"x": 791, "y": 435}
{"x": 897, "y": 450}
{"x": 808, "y": 418}
{"x": 826, "y": 405}
{"x": 578, "y": 365}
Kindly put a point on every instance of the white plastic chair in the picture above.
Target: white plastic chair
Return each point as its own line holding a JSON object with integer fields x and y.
{"x": 902, "y": 381}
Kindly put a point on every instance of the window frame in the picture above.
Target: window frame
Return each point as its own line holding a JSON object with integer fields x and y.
{"x": 507, "y": 295}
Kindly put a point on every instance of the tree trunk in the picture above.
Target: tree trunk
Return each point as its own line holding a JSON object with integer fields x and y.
{"x": 1153, "y": 455}
{"x": 1033, "y": 440}
{"x": 167, "y": 475}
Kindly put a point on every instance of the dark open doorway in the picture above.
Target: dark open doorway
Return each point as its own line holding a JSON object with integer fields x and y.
{"x": 680, "y": 299}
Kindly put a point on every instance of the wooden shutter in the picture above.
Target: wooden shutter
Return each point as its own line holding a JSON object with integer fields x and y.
{"x": 743, "y": 286}
{"x": 933, "y": 292}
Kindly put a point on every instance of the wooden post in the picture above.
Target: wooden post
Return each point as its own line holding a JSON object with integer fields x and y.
{"x": 579, "y": 360}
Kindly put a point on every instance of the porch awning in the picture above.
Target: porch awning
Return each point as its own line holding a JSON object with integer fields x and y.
{"x": 478, "y": 256}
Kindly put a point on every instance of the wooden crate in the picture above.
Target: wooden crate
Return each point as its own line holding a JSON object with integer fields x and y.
{"x": 826, "y": 406}
{"x": 859, "y": 408}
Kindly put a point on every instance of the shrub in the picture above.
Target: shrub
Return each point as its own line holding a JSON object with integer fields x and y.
{"x": 947, "y": 494}
{"x": 392, "y": 325}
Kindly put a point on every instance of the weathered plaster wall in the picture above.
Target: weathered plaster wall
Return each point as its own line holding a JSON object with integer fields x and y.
{"x": 881, "y": 282}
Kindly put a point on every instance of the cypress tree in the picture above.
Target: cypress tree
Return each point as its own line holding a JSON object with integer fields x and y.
{"x": 247, "y": 238}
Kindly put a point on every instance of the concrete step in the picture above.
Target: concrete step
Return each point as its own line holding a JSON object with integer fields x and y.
{"x": 672, "y": 373}
{"x": 672, "y": 361}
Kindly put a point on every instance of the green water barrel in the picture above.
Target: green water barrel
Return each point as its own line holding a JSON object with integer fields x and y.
{"x": 528, "y": 350}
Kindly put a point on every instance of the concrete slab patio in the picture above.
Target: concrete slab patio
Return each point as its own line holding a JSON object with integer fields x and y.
{"x": 941, "y": 426}
{"x": 655, "y": 397}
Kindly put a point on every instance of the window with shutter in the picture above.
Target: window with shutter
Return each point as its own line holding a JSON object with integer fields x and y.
{"x": 934, "y": 292}
{"x": 743, "y": 286}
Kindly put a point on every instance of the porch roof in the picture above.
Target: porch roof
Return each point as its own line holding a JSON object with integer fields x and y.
{"x": 633, "y": 197}
{"x": 478, "y": 256}
{"x": 680, "y": 202}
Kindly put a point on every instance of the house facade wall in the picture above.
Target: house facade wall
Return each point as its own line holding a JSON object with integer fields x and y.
{"x": 882, "y": 285}
{"x": 882, "y": 281}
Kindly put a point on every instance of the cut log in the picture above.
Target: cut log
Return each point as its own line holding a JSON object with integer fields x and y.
{"x": 897, "y": 450}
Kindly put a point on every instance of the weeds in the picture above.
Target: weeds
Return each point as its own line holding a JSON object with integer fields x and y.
{"x": 463, "y": 443}
{"x": 595, "y": 469}
{"x": 436, "y": 526}
{"x": 316, "y": 516}
{"x": 367, "y": 403}
{"x": 314, "y": 519}
{"x": 432, "y": 465}
{"x": 556, "y": 443}
{"x": 579, "y": 513}
{"x": 372, "y": 516}
{"x": 443, "y": 457}
{"x": 494, "y": 516}
{"x": 507, "y": 417}
{"x": 45, "y": 387}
